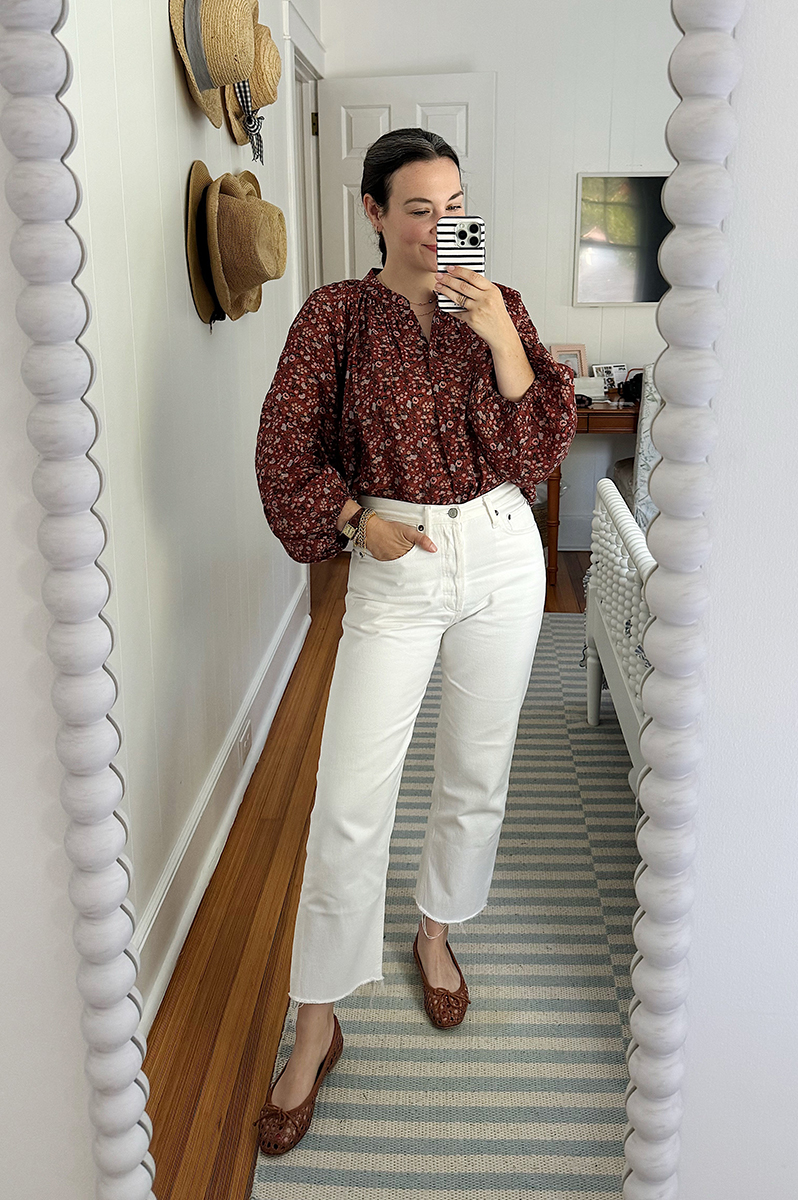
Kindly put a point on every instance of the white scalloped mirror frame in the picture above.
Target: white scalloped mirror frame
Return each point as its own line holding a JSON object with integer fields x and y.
{"x": 44, "y": 194}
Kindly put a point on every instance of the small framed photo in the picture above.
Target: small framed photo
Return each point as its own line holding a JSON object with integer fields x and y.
{"x": 611, "y": 373}
{"x": 573, "y": 356}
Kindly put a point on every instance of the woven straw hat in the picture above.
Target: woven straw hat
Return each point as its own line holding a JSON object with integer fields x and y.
{"x": 262, "y": 83}
{"x": 216, "y": 41}
{"x": 199, "y": 265}
{"x": 245, "y": 243}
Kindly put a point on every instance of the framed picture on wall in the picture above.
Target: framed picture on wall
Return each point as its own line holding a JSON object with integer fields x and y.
{"x": 620, "y": 226}
{"x": 573, "y": 356}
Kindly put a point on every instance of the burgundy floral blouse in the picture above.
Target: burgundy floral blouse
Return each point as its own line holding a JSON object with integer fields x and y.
{"x": 362, "y": 403}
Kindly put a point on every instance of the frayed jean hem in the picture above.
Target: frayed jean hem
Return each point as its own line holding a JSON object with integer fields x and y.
{"x": 294, "y": 1003}
{"x": 457, "y": 924}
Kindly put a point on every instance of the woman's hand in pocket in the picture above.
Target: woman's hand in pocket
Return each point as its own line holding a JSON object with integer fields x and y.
{"x": 387, "y": 540}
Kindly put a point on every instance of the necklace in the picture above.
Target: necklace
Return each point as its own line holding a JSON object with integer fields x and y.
{"x": 414, "y": 303}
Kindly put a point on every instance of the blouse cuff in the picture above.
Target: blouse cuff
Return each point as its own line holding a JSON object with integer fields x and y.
{"x": 308, "y": 528}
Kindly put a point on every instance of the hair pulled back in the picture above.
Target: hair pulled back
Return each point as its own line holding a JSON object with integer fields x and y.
{"x": 392, "y": 151}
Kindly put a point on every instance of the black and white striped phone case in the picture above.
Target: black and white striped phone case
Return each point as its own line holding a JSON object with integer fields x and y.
{"x": 460, "y": 240}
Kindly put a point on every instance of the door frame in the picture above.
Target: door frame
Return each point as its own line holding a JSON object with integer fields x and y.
{"x": 303, "y": 66}
{"x": 308, "y": 192}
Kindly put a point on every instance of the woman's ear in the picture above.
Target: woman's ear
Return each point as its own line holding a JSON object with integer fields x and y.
{"x": 372, "y": 212}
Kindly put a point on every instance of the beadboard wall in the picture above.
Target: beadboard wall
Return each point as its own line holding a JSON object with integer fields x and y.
{"x": 208, "y": 611}
{"x": 582, "y": 86}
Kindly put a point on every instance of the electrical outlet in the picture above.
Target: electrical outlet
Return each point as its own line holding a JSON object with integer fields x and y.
{"x": 245, "y": 744}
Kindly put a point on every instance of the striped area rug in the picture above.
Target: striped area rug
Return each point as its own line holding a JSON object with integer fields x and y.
{"x": 525, "y": 1098}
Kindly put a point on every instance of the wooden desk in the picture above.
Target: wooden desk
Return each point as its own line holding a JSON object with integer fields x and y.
{"x": 601, "y": 417}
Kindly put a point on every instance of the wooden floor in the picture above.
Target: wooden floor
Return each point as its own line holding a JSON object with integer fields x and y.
{"x": 214, "y": 1040}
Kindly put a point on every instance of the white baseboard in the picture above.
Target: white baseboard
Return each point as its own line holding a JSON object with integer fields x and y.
{"x": 165, "y": 922}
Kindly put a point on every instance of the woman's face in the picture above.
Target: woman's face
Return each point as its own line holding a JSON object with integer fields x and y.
{"x": 421, "y": 193}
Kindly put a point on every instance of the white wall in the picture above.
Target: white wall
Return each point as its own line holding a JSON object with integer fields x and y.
{"x": 202, "y": 590}
{"x": 582, "y": 86}
{"x": 741, "y": 1092}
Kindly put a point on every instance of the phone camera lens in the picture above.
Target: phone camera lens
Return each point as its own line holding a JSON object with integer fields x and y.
{"x": 473, "y": 228}
{"x": 473, "y": 241}
{"x": 461, "y": 233}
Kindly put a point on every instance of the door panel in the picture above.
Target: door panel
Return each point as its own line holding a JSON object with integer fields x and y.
{"x": 353, "y": 113}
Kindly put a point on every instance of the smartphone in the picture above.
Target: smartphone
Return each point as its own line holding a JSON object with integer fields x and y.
{"x": 460, "y": 240}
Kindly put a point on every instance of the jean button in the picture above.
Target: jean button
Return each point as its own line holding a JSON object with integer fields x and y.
{"x": 454, "y": 512}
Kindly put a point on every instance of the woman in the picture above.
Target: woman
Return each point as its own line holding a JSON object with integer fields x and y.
{"x": 419, "y": 435}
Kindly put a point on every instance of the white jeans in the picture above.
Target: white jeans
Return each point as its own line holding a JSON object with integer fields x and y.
{"x": 479, "y": 601}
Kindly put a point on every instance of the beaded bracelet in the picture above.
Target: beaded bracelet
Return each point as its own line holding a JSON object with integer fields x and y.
{"x": 360, "y": 536}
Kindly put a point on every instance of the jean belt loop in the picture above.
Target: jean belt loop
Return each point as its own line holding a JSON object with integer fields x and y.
{"x": 491, "y": 509}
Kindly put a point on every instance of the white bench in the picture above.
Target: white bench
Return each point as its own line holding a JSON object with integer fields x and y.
{"x": 616, "y": 616}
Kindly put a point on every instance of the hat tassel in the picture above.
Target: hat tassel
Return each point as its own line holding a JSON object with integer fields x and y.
{"x": 250, "y": 122}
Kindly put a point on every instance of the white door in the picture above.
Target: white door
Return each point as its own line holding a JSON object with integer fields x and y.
{"x": 353, "y": 113}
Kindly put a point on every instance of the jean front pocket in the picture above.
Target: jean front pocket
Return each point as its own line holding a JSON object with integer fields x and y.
{"x": 367, "y": 556}
{"x": 516, "y": 517}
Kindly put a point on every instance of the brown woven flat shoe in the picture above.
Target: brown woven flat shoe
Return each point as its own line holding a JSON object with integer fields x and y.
{"x": 279, "y": 1129}
{"x": 444, "y": 1008}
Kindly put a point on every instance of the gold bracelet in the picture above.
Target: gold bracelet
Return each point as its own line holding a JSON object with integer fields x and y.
{"x": 360, "y": 537}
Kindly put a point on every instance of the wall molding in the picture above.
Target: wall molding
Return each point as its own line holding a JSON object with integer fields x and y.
{"x": 197, "y": 851}
{"x": 297, "y": 37}
{"x": 297, "y": 30}
{"x": 705, "y": 67}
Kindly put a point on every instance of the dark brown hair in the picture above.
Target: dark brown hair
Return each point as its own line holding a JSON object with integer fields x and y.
{"x": 392, "y": 151}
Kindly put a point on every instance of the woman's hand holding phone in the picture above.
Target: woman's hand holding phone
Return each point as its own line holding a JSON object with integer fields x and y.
{"x": 481, "y": 304}
{"x": 463, "y": 291}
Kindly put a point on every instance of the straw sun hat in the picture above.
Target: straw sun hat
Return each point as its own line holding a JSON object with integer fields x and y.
{"x": 225, "y": 50}
{"x": 216, "y": 41}
{"x": 235, "y": 242}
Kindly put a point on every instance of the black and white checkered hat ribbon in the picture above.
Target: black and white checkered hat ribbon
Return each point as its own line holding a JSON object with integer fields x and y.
{"x": 250, "y": 122}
